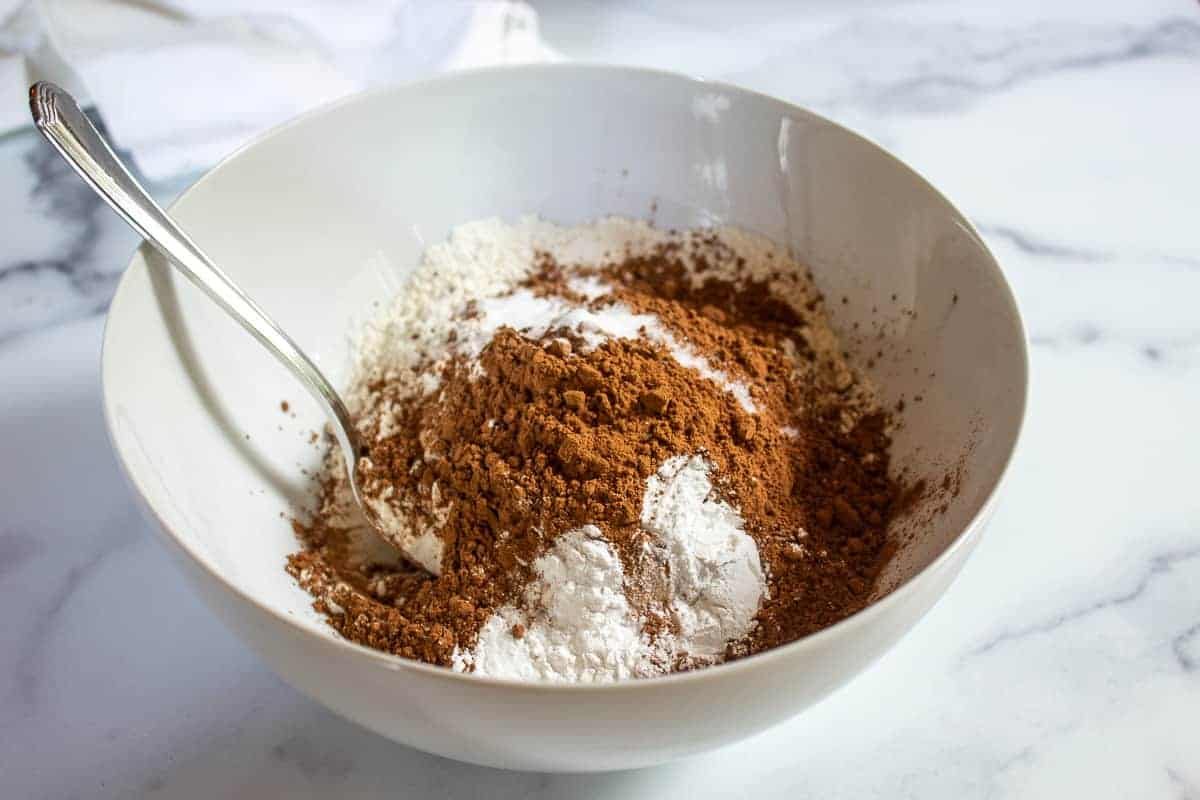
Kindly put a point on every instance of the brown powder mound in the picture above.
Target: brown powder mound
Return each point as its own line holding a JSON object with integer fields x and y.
{"x": 543, "y": 436}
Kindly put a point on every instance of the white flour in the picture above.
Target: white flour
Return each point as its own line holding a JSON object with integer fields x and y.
{"x": 483, "y": 260}
{"x": 578, "y": 625}
{"x": 716, "y": 580}
{"x": 535, "y": 316}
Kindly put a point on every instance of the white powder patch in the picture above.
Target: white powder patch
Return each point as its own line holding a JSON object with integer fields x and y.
{"x": 692, "y": 360}
{"x": 533, "y": 317}
{"x": 578, "y": 624}
{"x": 716, "y": 579}
{"x": 415, "y": 534}
{"x": 484, "y": 259}
{"x": 589, "y": 286}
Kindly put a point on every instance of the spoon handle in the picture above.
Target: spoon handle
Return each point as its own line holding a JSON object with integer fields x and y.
{"x": 59, "y": 119}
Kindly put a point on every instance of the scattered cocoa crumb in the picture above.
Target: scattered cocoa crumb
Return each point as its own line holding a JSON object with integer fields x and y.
{"x": 575, "y": 399}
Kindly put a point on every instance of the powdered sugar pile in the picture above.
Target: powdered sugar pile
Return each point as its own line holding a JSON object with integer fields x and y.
{"x": 576, "y": 624}
{"x": 716, "y": 581}
{"x": 535, "y": 316}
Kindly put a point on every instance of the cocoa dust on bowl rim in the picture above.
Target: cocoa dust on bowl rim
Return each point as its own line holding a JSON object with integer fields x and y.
{"x": 893, "y": 258}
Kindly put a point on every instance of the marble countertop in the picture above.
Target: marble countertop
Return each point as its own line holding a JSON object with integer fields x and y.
{"x": 1065, "y": 661}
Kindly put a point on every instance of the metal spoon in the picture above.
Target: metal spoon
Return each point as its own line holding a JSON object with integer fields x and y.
{"x": 59, "y": 119}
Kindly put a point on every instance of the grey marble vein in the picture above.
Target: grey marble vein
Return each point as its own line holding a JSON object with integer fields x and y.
{"x": 1184, "y": 788}
{"x": 945, "y": 67}
{"x": 62, "y": 195}
{"x": 1156, "y": 349}
{"x": 81, "y": 286}
{"x": 44, "y": 621}
{"x": 1086, "y": 334}
{"x": 72, "y": 258}
{"x": 1031, "y": 245}
{"x": 1021, "y": 758}
{"x": 1186, "y": 648}
{"x": 17, "y": 548}
{"x": 992, "y": 62}
{"x": 312, "y": 760}
{"x": 1158, "y": 566}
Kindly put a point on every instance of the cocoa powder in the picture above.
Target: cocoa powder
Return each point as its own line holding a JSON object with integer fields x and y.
{"x": 543, "y": 435}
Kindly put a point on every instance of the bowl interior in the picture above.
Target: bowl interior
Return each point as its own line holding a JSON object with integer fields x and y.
{"x": 321, "y": 221}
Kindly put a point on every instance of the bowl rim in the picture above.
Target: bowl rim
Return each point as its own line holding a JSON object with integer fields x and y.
{"x": 761, "y": 660}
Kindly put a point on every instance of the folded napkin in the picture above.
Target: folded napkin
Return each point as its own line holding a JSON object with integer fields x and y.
{"x": 181, "y": 83}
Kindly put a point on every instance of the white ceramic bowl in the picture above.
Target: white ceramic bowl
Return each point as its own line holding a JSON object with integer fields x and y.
{"x": 324, "y": 216}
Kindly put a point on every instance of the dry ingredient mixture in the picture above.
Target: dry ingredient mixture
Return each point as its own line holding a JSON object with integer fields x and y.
{"x": 616, "y": 451}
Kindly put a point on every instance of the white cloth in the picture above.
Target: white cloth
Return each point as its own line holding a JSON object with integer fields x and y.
{"x": 181, "y": 83}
